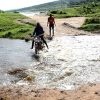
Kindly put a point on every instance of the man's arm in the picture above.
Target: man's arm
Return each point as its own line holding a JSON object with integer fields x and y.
{"x": 54, "y": 22}
{"x": 48, "y": 22}
{"x": 34, "y": 31}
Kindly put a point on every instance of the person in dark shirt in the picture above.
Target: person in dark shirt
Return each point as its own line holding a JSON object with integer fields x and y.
{"x": 38, "y": 31}
{"x": 51, "y": 23}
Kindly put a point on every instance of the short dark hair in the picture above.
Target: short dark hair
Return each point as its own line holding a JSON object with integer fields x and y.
{"x": 50, "y": 14}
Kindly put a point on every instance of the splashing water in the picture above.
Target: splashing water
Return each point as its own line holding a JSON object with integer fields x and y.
{"x": 69, "y": 62}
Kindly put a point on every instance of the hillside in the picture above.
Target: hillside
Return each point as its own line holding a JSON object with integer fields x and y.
{"x": 43, "y": 7}
{"x": 86, "y": 9}
{"x": 49, "y": 6}
{"x": 1, "y": 11}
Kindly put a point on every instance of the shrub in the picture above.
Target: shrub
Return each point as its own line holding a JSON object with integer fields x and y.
{"x": 7, "y": 35}
{"x": 54, "y": 12}
{"x": 93, "y": 20}
{"x": 23, "y": 30}
{"x": 91, "y": 27}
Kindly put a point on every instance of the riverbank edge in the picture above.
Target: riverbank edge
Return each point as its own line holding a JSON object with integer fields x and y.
{"x": 30, "y": 92}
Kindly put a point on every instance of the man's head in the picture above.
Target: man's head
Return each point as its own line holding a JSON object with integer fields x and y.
{"x": 38, "y": 24}
{"x": 50, "y": 15}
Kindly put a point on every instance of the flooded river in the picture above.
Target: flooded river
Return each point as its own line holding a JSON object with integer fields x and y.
{"x": 13, "y": 54}
{"x": 69, "y": 62}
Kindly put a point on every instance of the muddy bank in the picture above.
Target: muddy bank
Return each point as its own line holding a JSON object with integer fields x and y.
{"x": 87, "y": 92}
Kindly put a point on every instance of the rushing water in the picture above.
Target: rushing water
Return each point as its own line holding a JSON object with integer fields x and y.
{"x": 30, "y": 13}
{"x": 13, "y": 54}
{"x": 70, "y": 61}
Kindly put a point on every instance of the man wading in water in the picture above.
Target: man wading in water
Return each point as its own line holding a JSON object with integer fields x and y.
{"x": 51, "y": 23}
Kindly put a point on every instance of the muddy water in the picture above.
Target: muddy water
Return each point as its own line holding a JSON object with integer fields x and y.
{"x": 69, "y": 62}
{"x": 13, "y": 54}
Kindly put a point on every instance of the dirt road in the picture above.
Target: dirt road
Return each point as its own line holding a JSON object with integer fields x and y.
{"x": 65, "y": 26}
{"x": 89, "y": 92}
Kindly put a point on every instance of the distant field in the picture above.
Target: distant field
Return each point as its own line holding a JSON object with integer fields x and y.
{"x": 87, "y": 10}
{"x": 11, "y": 26}
{"x": 65, "y": 13}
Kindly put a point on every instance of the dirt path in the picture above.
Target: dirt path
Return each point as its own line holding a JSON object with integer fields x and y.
{"x": 89, "y": 92}
{"x": 65, "y": 26}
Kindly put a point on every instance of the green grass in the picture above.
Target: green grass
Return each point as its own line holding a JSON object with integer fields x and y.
{"x": 93, "y": 20}
{"x": 87, "y": 10}
{"x": 91, "y": 24}
{"x": 91, "y": 27}
{"x": 65, "y": 13}
{"x": 11, "y": 28}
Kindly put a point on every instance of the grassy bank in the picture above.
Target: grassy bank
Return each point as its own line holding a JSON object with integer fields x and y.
{"x": 92, "y": 24}
{"x": 11, "y": 26}
{"x": 87, "y": 10}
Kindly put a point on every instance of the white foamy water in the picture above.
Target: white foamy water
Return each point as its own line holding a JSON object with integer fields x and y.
{"x": 28, "y": 14}
{"x": 71, "y": 61}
